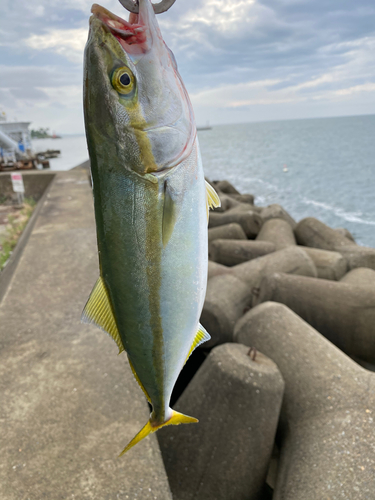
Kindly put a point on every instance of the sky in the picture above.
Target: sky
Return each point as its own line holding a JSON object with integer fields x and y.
{"x": 241, "y": 60}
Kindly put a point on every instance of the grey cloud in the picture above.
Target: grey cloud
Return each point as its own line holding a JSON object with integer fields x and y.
{"x": 28, "y": 93}
{"x": 28, "y": 77}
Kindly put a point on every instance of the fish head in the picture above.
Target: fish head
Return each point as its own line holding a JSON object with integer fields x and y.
{"x": 135, "y": 102}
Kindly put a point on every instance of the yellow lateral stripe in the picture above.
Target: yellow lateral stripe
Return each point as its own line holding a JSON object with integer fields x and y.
{"x": 98, "y": 311}
{"x": 139, "y": 382}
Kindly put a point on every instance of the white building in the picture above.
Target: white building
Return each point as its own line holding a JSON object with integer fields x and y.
{"x": 16, "y": 131}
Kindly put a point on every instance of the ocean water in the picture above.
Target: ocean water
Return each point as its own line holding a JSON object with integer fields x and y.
{"x": 73, "y": 151}
{"x": 330, "y": 163}
{"x": 330, "y": 166}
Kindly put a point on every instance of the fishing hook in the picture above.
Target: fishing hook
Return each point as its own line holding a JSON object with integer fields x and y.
{"x": 132, "y": 5}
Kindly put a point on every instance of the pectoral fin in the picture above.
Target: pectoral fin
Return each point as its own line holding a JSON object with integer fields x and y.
{"x": 201, "y": 336}
{"x": 98, "y": 311}
{"x": 213, "y": 200}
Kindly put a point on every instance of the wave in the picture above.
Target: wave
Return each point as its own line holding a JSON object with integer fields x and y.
{"x": 340, "y": 212}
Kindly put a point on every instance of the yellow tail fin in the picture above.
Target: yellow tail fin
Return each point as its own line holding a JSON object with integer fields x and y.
{"x": 176, "y": 419}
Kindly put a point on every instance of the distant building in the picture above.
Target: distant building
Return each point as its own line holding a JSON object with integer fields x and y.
{"x": 12, "y": 134}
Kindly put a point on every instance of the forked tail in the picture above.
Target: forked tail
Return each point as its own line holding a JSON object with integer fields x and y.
{"x": 176, "y": 419}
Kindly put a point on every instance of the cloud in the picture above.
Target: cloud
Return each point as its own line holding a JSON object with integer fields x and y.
{"x": 240, "y": 59}
{"x": 68, "y": 43}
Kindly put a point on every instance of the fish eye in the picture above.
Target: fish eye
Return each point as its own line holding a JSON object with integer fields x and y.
{"x": 123, "y": 80}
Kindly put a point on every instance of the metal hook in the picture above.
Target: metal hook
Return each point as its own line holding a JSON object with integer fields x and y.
{"x": 132, "y": 6}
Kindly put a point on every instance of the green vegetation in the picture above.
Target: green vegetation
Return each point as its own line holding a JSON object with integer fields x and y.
{"x": 16, "y": 224}
{"x": 41, "y": 133}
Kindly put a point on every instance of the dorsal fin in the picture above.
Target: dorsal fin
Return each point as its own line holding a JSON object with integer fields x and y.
{"x": 213, "y": 200}
{"x": 201, "y": 336}
{"x": 98, "y": 311}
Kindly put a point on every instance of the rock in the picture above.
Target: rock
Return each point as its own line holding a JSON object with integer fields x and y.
{"x": 232, "y": 231}
{"x": 343, "y": 313}
{"x": 330, "y": 265}
{"x": 249, "y": 221}
{"x": 276, "y": 211}
{"x": 227, "y": 299}
{"x": 226, "y": 455}
{"x": 243, "y": 198}
{"x": 345, "y": 232}
{"x": 327, "y": 431}
{"x": 215, "y": 269}
{"x": 289, "y": 260}
{"x": 277, "y": 231}
{"x": 311, "y": 232}
{"x": 362, "y": 276}
{"x": 226, "y": 187}
{"x": 232, "y": 252}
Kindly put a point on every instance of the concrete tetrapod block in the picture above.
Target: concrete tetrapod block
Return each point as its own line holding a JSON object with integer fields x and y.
{"x": 226, "y": 455}
{"x": 243, "y": 198}
{"x": 358, "y": 256}
{"x": 276, "y": 211}
{"x": 233, "y": 252}
{"x": 244, "y": 207}
{"x": 227, "y": 299}
{"x": 215, "y": 269}
{"x": 277, "y": 231}
{"x": 227, "y": 202}
{"x": 327, "y": 430}
{"x": 226, "y": 187}
{"x": 311, "y": 232}
{"x": 343, "y": 313}
{"x": 232, "y": 231}
{"x": 362, "y": 276}
{"x": 330, "y": 265}
{"x": 250, "y": 221}
{"x": 289, "y": 260}
{"x": 345, "y": 232}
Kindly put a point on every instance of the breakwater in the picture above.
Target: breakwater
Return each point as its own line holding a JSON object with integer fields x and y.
{"x": 286, "y": 410}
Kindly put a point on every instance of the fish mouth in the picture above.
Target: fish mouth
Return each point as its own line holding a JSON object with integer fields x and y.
{"x": 132, "y": 35}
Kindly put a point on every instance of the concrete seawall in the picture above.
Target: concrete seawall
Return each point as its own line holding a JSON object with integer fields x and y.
{"x": 69, "y": 403}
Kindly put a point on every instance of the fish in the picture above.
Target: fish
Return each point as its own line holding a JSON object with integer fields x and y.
{"x": 151, "y": 204}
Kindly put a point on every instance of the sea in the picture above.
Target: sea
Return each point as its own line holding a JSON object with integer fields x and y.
{"x": 322, "y": 167}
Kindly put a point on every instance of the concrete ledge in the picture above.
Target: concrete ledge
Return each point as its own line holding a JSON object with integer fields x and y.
{"x": 7, "y": 273}
{"x": 69, "y": 403}
{"x": 35, "y": 182}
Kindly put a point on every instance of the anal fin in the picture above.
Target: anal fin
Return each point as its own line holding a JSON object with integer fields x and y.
{"x": 201, "y": 336}
{"x": 98, "y": 311}
{"x": 139, "y": 382}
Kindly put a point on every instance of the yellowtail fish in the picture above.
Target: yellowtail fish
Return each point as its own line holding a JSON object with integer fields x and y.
{"x": 151, "y": 204}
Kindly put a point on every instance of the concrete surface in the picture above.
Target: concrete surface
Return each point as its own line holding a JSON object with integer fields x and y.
{"x": 69, "y": 404}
